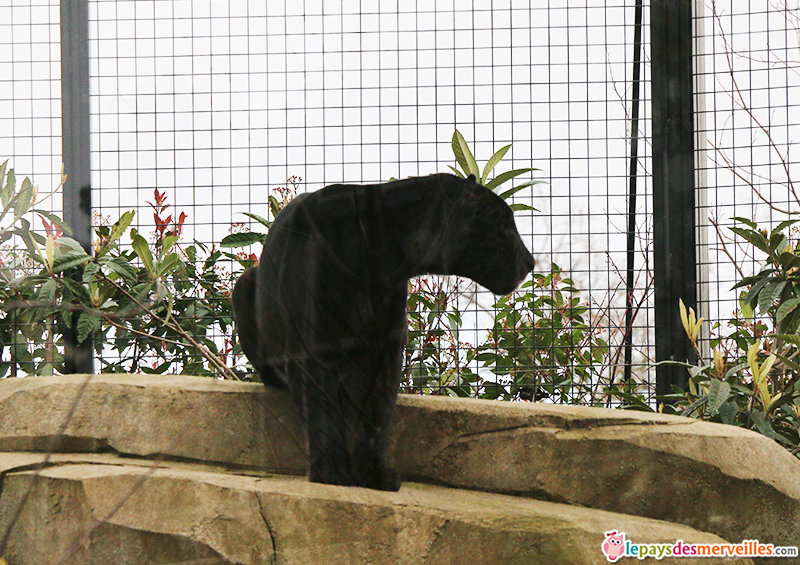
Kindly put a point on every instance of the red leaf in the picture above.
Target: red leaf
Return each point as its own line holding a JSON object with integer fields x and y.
{"x": 51, "y": 229}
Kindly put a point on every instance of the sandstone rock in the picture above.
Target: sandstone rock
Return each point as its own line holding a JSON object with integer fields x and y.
{"x": 203, "y": 419}
{"x": 721, "y": 479}
{"x": 716, "y": 478}
{"x": 128, "y": 513}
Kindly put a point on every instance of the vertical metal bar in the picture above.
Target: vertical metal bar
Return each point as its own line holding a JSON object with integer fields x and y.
{"x": 701, "y": 173}
{"x": 76, "y": 154}
{"x": 632, "y": 176}
{"x": 674, "y": 238}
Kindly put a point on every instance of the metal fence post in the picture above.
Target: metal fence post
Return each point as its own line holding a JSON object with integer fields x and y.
{"x": 76, "y": 152}
{"x": 674, "y": 219}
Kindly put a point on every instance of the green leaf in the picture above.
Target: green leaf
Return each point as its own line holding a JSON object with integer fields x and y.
{"x": 8, "y": 189}
{"x": 27, "y": 237}
{"x": 689, "y": 410}
{"x": 464, "y": 156}
{"x": 168, "y": 264}
{"x": 158, "y": 370}
{"x": 794, "y": 339}
{"x": 517, "y": 207}
{"x": 456, "y": 171}
{"x": 492, "y": 162}
{"x": 69, "y": 242}
{"x": 37, "y": 237}
{"x": 119, "y": 227}
{"x": 166, "y": 245}
{"x": 78, "y": 291}
{"x": 762, "y": 424}
{"x": 747, "y": 281}
{"x": 87, "y": 324}
{"x": 170, "y": 300}
{"x": 161, "y": 291}
{"x": 786, "y": 308}
{"x": 70, "y": 259}
{"x": 728, "y": 412}
{"x": 634, "y": 401}
{"x": 788, "y": 260}
{"x": 121, "y": 266}
{"x": 718, "y": 393}
{"x": 274, "y": 206}
{"x": 142, "y": 250}
{"x": 735, "y": 369}
{"x": 746, "y": 221}
{"x": 755, "y": 237}
{"x": 48, "y": 291}
{"x": 23, "y": 200}
{"x": 794, "y": 366}
{"x": 751, "y": 298}
{"x": 769, "y": 295}
{"x": 242, "y": 239}
{"x": 784, "y": 224}
{"x": 507, "y": 176}
{"x": 514, "y": 190}
{"x": 777, "y": 242}
{"x": 141, "y": 294}
{"x": 263, "y": 221}
{"x": 90, "y": 271}
{"x": 3, "y": 176}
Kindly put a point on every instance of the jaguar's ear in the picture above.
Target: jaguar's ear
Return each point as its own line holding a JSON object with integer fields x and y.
{"x": 472, "y": 178}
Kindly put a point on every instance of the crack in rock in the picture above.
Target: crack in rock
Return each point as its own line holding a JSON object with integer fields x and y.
{"x": 436, "y": 534}
{"x": 272, "y": 538}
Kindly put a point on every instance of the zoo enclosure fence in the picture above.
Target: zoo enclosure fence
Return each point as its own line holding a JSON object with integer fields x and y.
{"x": 215, "y": 105}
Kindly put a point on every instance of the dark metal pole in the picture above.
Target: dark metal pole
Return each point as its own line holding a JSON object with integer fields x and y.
{"x": 632, "y": 176}
{"x": 76, "y": 152}
{"x": 674, "y": 237}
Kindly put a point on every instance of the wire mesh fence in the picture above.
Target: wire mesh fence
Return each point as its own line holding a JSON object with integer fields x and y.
{"x": 203, "y": 111}
{"x": 218, "y": 105}
{"x": 749, "y": 120}
{"x": 30, "y": 127}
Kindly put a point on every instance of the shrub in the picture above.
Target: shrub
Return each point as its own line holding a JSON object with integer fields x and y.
{"x": 751, "y": 378}
{"x": 158, "y": 305}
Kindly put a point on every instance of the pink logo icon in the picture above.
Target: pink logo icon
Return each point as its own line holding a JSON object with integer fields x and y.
{"x": 614, "y": 545}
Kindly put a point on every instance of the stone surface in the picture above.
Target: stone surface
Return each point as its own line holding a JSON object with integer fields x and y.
{"x": 721, "y": 479}
{"x": 203, "y": 419}
{"x": 716, "y": 478}
{"x": 102, "y": 509}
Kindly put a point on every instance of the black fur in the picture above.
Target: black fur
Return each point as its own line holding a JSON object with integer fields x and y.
{"x": 324, "y": 313}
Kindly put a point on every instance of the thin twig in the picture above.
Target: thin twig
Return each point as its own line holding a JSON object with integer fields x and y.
{"x": 736, "y": 170}
{"x": 743, "y": 105}
{"x": 725, "y": 247}
{"x": 213, "y": 359}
